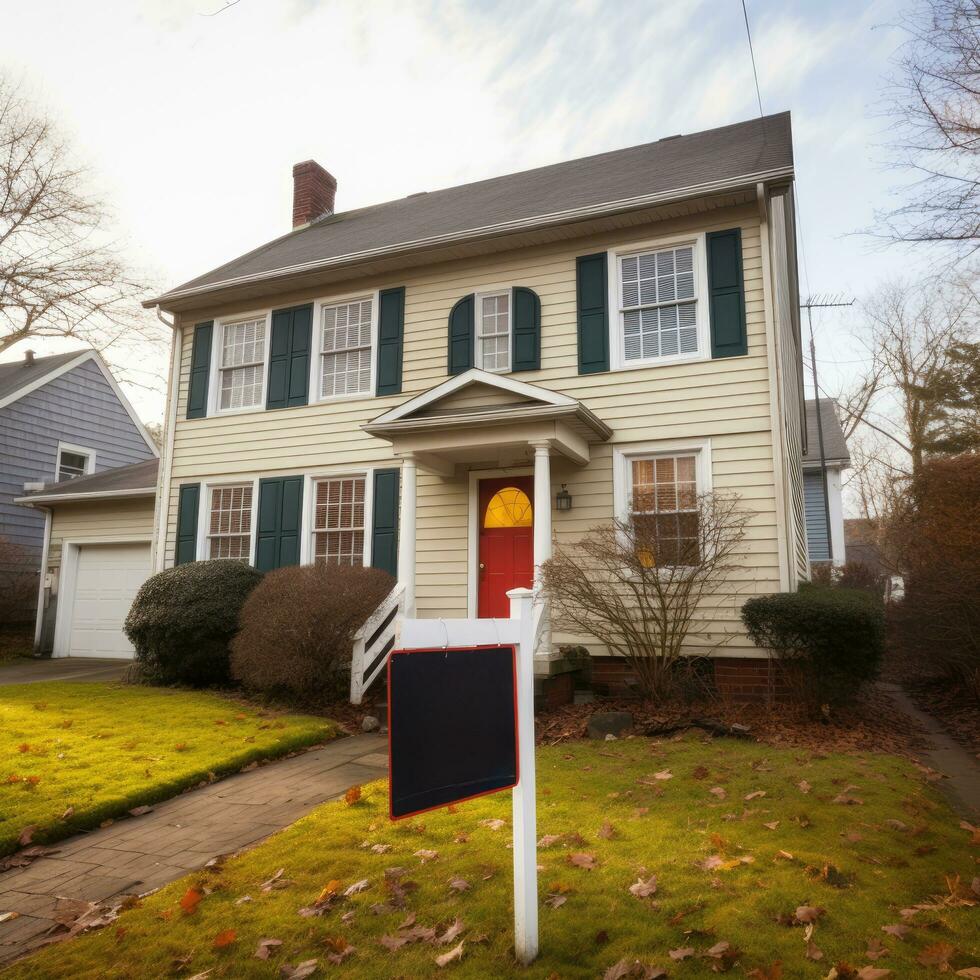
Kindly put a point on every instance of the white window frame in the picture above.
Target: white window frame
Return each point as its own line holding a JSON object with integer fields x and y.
{"x": 623, "y": 456}
{"x": 618, "y": 360}
{"x": 217, "y": 343}
{"x": 69, "y": 447}
{"x": 307, "y": 550}
{"x": 203, "y": 551}
{"x": 478, "y": 299}
{"x": 316, "y": 342}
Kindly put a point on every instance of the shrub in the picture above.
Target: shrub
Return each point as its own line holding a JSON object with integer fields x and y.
{"x": 182, "y": 621}
{"x": 938, "y": 620}
{"x": 18, "y": 584}
{"x": 850, "y": 575}
{"x": 297, "y": 629}
{"x": 830, "y": 640}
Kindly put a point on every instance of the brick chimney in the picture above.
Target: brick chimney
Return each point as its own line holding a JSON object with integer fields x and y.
{"x": 313, "y": 192}
{"x": 28, "y": 358}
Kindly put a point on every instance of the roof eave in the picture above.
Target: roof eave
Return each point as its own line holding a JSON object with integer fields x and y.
{"x": 744, "y": 181}
{"x": 51, "y": 498}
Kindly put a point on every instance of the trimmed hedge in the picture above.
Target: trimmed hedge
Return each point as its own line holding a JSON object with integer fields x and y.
{"x": 297, "y": 629}
{"x": 182, "y": 621}
{"x": 830, "y": 639}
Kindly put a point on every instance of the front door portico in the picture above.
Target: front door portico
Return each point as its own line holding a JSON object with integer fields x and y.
{"x": 506, "y": 542}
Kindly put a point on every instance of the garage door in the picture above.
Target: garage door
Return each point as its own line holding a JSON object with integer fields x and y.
{"x": 107, "y": 579}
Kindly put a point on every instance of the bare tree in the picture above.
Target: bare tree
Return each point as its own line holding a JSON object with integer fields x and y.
{"x": 644, "y": 587}
{"x": 937, "y": 106}
{"x": 60, "y": 277}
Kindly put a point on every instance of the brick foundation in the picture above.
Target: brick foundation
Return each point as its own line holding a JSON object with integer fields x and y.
{"x": 554, "y": 691}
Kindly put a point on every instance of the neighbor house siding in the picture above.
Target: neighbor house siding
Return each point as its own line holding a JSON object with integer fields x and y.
{"x": 726, "y": 401}
{"x": 78, "y": 407}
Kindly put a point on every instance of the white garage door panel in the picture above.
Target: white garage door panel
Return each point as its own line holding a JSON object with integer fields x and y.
{"x": 106, "y": 581}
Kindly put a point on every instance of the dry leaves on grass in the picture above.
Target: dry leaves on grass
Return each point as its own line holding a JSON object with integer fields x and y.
{"x": 425, "y": 855}
{"x": 493, "y": 824}
{"x": 224, "y": 938}
{"x": 190, "y": 901}
{"x": 937, "y": 955}
{"x": 581, "y": 859}
{"x": 458, "y": 884}
{"x": 265, "y": 947}
{"x": 644, "y": 888}
{"x": 456, "y": 953}
{"x": 300, "y": 971}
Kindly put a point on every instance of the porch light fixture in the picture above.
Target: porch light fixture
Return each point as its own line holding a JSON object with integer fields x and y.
{"x": 563, "y": 500}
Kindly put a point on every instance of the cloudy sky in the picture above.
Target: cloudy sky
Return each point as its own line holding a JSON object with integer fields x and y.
{"x": 190, "y": 123}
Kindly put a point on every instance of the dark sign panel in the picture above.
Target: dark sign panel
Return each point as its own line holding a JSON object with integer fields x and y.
{"x": 452, "y": 726}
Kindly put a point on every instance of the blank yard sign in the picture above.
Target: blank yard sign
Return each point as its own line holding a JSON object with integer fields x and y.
{"x": 452, "y": 726}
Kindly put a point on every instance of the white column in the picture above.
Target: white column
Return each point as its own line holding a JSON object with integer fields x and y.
{"x": 406, "y": 533}
{"x": 542, "y": 506}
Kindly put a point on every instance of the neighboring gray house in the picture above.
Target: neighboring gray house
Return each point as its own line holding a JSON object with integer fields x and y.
{"x": 837, "y": 460}
{"x": 60, "y": 417}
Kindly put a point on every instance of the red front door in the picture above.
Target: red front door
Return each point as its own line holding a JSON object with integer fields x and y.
{"x": 506, "y": 552}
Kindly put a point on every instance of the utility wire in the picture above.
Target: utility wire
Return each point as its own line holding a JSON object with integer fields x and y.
{"x": 755, "y": 74}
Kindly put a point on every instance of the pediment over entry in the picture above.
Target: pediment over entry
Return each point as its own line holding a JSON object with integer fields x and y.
{"x": 480, "y": 409}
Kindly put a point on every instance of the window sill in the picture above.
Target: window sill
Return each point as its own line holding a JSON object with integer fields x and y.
{"x": 661, "y": 362}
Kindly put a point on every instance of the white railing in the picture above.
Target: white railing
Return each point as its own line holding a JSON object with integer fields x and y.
{"x": 374, "y": 641}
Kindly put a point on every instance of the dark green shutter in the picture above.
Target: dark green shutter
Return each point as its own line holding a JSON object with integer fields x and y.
{"x": 384, "y": 521}
{"x": 188, "y": 504}
{"x": 726, "y": 293}
{"x": 391, "y": 330}
{"x": 527, "y": 330}
{"x": 289, "y": 357}
{"x": 277, "y": 541}
{"x": 461, "y": 335}
{"x": 593, "y": 318}
{"x": 197, "y": 390}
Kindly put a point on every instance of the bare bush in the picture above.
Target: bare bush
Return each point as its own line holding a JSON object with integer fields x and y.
{"x": 18, "y": 584}
{"x": 644, "y": 593}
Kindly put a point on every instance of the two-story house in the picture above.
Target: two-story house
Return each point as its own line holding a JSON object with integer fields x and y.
{"x": 62, "y": 418}
{"x": 444, "y": 385}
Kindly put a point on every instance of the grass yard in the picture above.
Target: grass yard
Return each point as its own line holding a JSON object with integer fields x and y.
{"x": 726, "y": 842}
{"x": 73, "y": 755}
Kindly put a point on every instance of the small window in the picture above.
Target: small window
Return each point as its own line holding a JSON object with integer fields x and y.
{"x": 664, "y": 509}
{"x": 242, "y": 364}
{"x": 493, "y": 332}
{"x": 338, "y": 521}
{"x": 345, "y": 348}
{"x": 509, "y": 507}
{"x": 72, "y": 464}
{"x": 230, "y": 523}
{"x": 658, "y": 304}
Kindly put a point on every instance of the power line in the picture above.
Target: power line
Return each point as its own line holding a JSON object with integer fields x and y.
{"x": 755, "y": 74}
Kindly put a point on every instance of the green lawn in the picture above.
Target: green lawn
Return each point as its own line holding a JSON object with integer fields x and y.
{"x": 73, "y": 755}
{"x": 741, "y": 839}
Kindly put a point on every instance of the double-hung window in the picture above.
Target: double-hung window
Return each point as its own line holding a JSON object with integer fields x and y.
{"x": 345, "y": 348}
{"x": 338, "y": 521}
{"x": 242, "y": 364}
{"x": 658, "y": 304}
{"x": 663, "y": 508}
{"x": 230, "y": 523}
{"x": 72, "y": 463}
{"x": 493, "y": 325}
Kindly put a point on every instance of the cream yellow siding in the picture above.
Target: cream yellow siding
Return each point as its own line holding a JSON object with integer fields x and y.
{"x": 727, "y": 401}
{"x": 107, "y": 520}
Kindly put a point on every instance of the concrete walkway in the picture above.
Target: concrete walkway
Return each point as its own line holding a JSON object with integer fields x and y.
{"x": 138, "y": 855}
{"x": 942, "y": 753}
{"x": 26, "y": 670}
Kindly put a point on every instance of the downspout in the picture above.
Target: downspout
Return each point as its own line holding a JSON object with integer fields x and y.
{"x": 45, "y": 548}
{"x": 161, "y": 512}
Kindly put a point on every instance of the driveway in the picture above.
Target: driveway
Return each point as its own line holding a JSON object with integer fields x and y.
{"x": 26, "y": 670}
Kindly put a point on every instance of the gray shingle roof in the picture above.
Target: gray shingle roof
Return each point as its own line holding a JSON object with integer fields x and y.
{"x": 674, "y": 164}
{"x": 834, "y": 444}
{"x": 136, "y": 476}
{"x": 15, "y": 375}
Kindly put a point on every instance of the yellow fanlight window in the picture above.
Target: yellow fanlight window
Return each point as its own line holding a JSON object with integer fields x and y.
{"x": 508, "y": 507}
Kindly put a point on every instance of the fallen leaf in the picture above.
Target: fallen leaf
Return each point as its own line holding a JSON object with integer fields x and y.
{"x": 9, "y": 916}
{"x": 549, "y": 839}
{"x": 393, "y": 943}
{"x": 582, "y": 860}
{"x": 644, "y": 889}
{"x": 773, "y": 972}
{"x": 357, "y": 887}
{"x": 718, "y": 791}
{"x": 494, "y": 824}
{"x": 756, "y": 795}
{"x": 68, "y": 814}
{"x": 803, "y": 786}
{"x": 381, "y": 848}
{"x": 771, "y": 826}
{"x": 423, "y": 855}
{"x": 873, "y": 973}
{"x": 138, "y": 811}
{"x": 808, "y": 913}
{"x": 341, "y": 949}
{"x": 26, "y": 835}
{"x": 224, "y": 938}
{"x": 190, "y": 901}
{"x": 970, "y": 971}
{"x": 813, "y": 951}
{"x": 937, "y": 955}
{"x": 876, "y": 949}
{"x": 305, "y": 969}
{"x": 264, "y": 947}
{"x": 459, "y": 884}
{"x": 607, "y": 831}
{"x": 456, "y": 953}
{"x": 784, "y": 855}
{"x": 663, "y": 774}
{"x": 453, "y": 932}
{"x": 681, "y": 954}
{"x": 897, "y": 930}
{"x": 353, "y": 795}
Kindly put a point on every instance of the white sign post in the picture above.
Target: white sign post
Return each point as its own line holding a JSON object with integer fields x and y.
{"x": 524, "y": 793}
{"x": 519, "y": 631}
